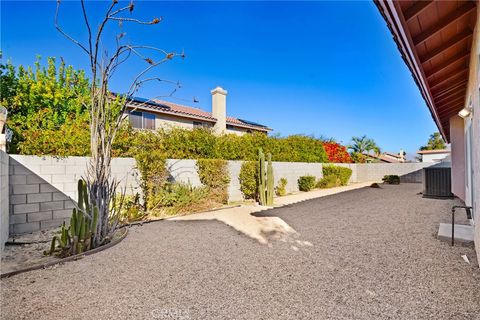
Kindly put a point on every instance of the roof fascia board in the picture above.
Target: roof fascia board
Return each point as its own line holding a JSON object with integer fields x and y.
{"x": 398, "y": 24}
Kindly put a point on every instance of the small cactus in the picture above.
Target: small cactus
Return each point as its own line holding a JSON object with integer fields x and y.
{"x": 77, "y": 237}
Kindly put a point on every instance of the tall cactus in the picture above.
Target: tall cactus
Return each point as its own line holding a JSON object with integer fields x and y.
{"x": 261, "y": 178}
{"x": 270, "y": 181}
{"x": 77, "y": 237}
{"x": 265, "y": 180}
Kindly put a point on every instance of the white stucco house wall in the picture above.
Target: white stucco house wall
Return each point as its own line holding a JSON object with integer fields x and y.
{"x": 434, "y": 155}
{"x": 440, "y": 43}
{"x": 157, "y": 114}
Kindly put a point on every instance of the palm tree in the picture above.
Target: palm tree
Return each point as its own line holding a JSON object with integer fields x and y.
{"x": 363, "y": 145}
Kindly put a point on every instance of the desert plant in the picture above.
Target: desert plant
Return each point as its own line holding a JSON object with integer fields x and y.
{"x": 306, "y": 183}
{"x": 262, "y": 184}
{"x": 391, "y": 179}
{"x": 214, "y": 174}
{"x": 281, "y": 190}
{"x": 107, "y": 111}
{"x": 270, "y": 181}
{"x": 78, "y": 236}
{"x": 248, "y": 179}
{"x": 330, "y": 181}
{"x": 341, "y": 173}
{"x": 265, "y": 179}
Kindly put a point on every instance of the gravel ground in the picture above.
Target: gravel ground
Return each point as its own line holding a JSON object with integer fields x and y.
{"x": 373, "y": 256}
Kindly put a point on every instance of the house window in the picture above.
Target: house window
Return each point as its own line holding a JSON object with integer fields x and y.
{"x": 148, "y": 121}
{"x": 142, "y": 120}
{"x": 197, "y": 124}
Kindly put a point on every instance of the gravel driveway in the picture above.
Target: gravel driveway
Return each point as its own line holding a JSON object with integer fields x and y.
{"x": 373, "y": 256}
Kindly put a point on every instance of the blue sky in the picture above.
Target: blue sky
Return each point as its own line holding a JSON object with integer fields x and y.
{"x": 321, "y": 68}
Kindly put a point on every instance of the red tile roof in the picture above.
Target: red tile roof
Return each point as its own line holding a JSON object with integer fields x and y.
{"x": 167, "y": 107}
{"x": 185, "y": 110}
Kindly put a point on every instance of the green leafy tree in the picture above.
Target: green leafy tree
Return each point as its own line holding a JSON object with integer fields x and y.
{"x": 435, "y": 142}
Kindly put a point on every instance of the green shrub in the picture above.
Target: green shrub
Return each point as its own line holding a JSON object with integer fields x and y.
{"x": 330, "y": 181}
{"x": 214, "y": 174}
{"x": 341, "y": 173}
{"x": 391, "y": 179}
{"x": 306, "y": 183}
{"x": 248, "y": 179}
{"x": 178, "y": 198}
{"x": 281, "y": 190}
{"x": 151, "y": 164}
{"x": 131, "y": 209}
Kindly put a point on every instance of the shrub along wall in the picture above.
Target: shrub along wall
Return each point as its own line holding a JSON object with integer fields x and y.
{"x": 203, "y": 144}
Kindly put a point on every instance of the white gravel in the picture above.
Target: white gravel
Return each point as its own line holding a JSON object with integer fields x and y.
{"x": 371, "y": 254}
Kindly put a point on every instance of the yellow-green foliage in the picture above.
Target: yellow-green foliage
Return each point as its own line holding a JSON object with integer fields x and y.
{"x": 131, "y": 210}
{"x": 248, "y": 179}
{"x": 281, "y": 190}
{"x": 328, "y": 182}
{"x": 151, "y": 164}
{"x": 213, "y": 173}
{"x": 46, "y": 108}
{"x": 203, "y": 144}
{"x": 180, "y": 198}
{"x": 343, "y": 174}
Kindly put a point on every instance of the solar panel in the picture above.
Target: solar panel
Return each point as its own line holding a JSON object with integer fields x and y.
{"x": 146, "y": 101}
{"x": 252, "y": 123}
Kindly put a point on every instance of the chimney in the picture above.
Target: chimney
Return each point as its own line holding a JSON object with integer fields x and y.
{"x": 402, "y": 156}
{"x": 219, "y": 109}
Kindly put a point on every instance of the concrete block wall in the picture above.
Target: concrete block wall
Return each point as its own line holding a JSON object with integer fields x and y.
{"x": 4, "y": 201}
{"x": 408, "y": 172}
{"x": 288, "y": 170}
{"x": 184, "y": 170}
{"x": 43, "y": 190}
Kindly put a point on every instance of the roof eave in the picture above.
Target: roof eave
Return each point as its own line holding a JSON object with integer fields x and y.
{"x": 396, "y": 23}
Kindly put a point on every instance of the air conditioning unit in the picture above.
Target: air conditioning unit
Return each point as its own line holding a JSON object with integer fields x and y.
{"x": 437, "y": 182}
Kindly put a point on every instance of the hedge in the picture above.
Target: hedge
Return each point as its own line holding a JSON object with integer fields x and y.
{"x": 213, "y": 173}
{"x": 328, "y": 182}
{"x": 248, "y": 179}
{"x": 341, "y": 173}
{"x": 201, "y": 143}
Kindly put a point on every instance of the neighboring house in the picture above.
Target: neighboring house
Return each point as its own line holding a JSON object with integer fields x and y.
{"x": 433, "y": 155}
{"x": 386, "y": 157}
{"x": 440, "y": 43}
{"x": 156, "y": 114}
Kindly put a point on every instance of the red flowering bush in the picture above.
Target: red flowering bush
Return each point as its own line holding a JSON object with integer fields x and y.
{"x": 336, "y": 153}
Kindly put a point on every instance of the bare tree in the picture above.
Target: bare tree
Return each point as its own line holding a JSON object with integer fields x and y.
{"x": 107, "y": 111}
